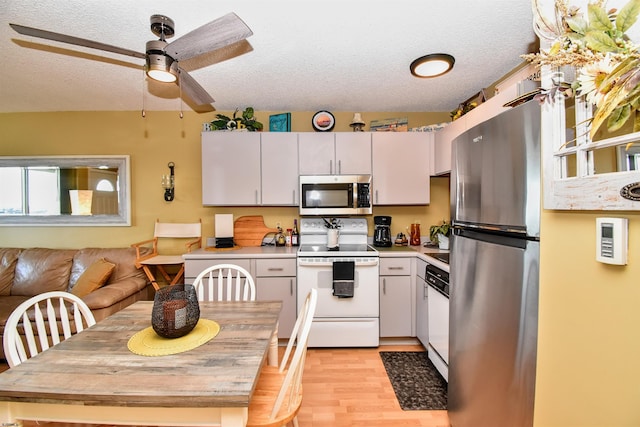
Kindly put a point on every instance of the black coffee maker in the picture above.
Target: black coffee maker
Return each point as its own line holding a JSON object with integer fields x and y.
{"x": 382, "y": 231}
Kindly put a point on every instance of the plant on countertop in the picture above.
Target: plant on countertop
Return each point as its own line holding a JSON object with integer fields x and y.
{"x": 607, "y": 61}
{"x": 332, "y": 223}
{"x": 246, "y": 121}
{"x": 444, "y": 229}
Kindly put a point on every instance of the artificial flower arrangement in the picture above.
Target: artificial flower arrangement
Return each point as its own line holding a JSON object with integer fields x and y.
{"x": 607, "y": 61}
{"x": 246, "y": 121}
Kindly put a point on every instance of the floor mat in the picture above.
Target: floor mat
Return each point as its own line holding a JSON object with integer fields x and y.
{"x": 417, "y": 383}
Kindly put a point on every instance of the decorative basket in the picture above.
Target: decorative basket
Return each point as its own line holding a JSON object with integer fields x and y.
{"x": 175, "y": 311}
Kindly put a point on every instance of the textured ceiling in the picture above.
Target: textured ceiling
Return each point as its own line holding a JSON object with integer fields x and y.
{"x": 339, "y": 55}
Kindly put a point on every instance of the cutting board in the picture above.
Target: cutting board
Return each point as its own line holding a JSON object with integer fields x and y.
{"x": 250, "y": 230}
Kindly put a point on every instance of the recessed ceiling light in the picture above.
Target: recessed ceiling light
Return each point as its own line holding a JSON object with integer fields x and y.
{"x": 433, "y": 65}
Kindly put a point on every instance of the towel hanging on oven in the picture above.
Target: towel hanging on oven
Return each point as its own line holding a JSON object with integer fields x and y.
{"x": 343, "y": 278}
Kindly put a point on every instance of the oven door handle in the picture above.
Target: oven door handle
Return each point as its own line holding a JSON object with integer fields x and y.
{"x": 315, "y": 262}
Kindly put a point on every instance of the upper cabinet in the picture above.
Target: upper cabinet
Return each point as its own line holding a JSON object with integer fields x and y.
{"x": 249, "y": 169}
{"x": 402, "y": 166}
{"x": 341, "y": 153}
{"x": 442, "y": 145}
{"x": 279, "y": 169}
{"x": 231, "y": 168}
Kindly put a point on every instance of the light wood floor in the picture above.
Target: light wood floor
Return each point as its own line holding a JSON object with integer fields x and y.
{"x": 348, "y": 388}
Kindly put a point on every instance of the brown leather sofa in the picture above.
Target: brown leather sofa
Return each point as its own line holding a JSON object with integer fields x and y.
{"x": 28, "y": 272}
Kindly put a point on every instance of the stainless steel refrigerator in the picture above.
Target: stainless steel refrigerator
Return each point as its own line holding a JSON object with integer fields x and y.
{"x": 494, "y": 270}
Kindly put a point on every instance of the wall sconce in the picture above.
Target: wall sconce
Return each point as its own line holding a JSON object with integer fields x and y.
{"x": 168, "y": 183}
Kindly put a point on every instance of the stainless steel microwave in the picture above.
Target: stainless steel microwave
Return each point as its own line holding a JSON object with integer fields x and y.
{"x": 335, "y": 195}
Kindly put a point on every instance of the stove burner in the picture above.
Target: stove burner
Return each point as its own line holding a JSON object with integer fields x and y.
{"x": 444, "y": 257}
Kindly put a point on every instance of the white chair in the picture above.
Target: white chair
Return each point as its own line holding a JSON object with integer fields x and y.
{"x": 225, "y": 282}
{"x": 230, "y": 282}
{"x": 167, "y": 230}
{"x": 278, "y": 394}
{"x": 48, "y": 312}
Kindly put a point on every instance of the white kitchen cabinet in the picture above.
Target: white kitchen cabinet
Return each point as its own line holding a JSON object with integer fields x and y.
{"x": 353, "y": 153}
{"x": 340, "y": 153}
{"x": 249, "y": 169}
{"x": 279, "y": 175}
{"x": 396, "y": 310}
{"x": 231, "y": 168}
{"x": 422, "y": 303}
{"x": 442, "y": 145}
{"x": 402, "y": 166}
{"x": 193, "y": 267}
{"x": 276, "y": 280}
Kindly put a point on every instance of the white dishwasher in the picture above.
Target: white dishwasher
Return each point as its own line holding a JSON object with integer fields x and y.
{"x": 438, "y": 303}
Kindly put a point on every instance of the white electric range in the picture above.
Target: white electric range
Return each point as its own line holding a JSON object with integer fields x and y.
{"x": 345, "y": 317}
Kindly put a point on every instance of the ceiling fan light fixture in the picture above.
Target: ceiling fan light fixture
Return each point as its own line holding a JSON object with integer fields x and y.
{"x": 160, "y": 66}
{"x": 432, "y": 65}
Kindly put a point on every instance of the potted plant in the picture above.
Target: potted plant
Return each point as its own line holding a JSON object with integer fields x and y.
{"x": 439, "y": 234}
{"x": 246, "y": 121}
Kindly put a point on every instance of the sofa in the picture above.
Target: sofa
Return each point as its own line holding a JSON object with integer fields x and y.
{"x": 105, "y": 278}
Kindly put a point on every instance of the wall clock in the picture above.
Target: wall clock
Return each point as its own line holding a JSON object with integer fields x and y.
{"x": 323, "y": 121}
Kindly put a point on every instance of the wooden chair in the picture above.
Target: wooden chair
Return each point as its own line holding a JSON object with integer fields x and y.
{"x": 230, "y": 282}
{"x": 225, "y": 282}
{"x": 278, "y": 394}
{"x": 168, "y": 230}
{"x": 48, "y": 312}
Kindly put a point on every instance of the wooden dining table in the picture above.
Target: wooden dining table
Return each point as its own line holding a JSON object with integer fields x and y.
{"x": 93, "y": 377}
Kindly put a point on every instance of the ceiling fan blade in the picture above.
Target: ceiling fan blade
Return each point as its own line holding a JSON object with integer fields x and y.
{"x": 218, "y": 33}
{"x": 193, "y": 90}
{"x": 43, "y": 34}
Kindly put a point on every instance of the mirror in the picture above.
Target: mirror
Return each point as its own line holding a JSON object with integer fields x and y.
{"x": 65, "y": 191}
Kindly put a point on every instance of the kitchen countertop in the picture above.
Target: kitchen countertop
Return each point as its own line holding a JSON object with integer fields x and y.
{"x": 244, "y": 252}
{"x": 290, "y": 252}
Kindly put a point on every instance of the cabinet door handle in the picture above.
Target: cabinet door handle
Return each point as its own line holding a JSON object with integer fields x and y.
{"x": 396, "y": 268}
{"x": 376, "y": 196}
{"x": 256, "y": 197}
{"x": 274, "y": 269}
{"x": 294, "y": 196}
{"x": 384, "y": 286}
{"x": 330, "y": 167}
{"x": 291, "y": 286}
{"x": 339, "y": 167}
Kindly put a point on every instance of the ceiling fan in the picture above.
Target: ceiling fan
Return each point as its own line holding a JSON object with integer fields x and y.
{"x": 162, "y": 58}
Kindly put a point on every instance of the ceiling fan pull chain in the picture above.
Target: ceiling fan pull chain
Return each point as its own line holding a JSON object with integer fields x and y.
{"x": 144, "y": 114}
{"x": 180, "y": 89}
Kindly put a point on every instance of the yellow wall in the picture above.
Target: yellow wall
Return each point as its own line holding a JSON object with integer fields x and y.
{"x": 589, "y": 327}
{"x": 589, "y": 344}
{"x": 152, "y": 142}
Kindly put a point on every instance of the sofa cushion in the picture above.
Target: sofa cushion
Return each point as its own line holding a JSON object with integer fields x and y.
{"x": 93, "y": 277}
{"x": 123, "y": 258}
{"x": 40, "y": 270}
{"x": 8, "y": 260}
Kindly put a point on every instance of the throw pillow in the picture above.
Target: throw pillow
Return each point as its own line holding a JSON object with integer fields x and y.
{"x": 93, "y": 277}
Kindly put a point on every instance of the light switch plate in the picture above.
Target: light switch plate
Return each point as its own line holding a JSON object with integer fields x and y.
{"x": 612, "y": 240}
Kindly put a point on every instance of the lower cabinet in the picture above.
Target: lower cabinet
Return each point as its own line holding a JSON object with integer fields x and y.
{"x": 396, "y": 297}
{"x": 422, "y": 303}
{"x": 276, "y": 280}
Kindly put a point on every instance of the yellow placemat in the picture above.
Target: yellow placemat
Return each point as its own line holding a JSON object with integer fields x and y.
{"x": 148, "y": 343}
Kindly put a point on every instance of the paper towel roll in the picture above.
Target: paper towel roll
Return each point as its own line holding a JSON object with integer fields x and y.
{"x": 223, "y": 225}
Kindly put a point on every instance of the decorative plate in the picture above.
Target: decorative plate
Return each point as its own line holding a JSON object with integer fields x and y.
{"x": 323, "y": 121}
